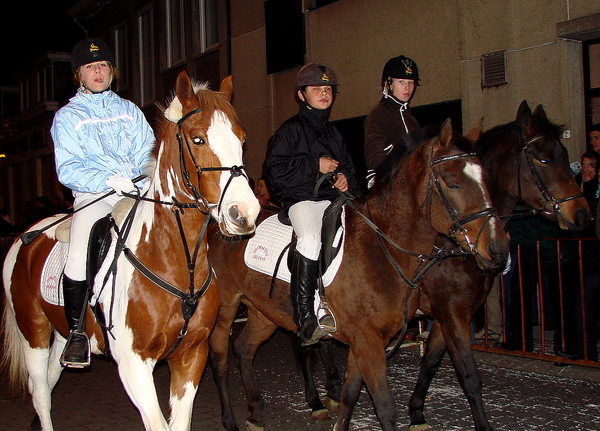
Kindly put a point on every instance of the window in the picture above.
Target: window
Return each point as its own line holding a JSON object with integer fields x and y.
{"x": 493, "y": 69}
{"x": 591, "y": 61}
{"x": 285, "y": 34}
{"x": 175, "y": 36}
{"x": 121, "y": 56}
{"x": 208, "y": 25}
{"x": 146, "y": 53}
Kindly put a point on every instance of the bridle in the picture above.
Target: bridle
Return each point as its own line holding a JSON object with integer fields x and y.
{"x": 458, "y": 224}
{"x": 234, "y": 171}
{"x": 548, "y": 199}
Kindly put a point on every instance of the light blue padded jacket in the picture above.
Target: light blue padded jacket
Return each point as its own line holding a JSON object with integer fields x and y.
{"x": 99, "y": 135}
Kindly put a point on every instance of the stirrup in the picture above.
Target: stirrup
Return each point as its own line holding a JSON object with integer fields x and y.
{"x": 325, "y": 317}
{"x": 75, "y": 359}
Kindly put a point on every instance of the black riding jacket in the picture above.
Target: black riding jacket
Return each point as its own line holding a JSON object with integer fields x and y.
{"x": 291, "y": 166}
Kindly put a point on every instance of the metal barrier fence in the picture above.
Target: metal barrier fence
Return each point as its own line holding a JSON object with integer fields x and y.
{"x": 547, "y": 305}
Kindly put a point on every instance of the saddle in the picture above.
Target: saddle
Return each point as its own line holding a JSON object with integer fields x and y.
{"x": 330, "y": 241}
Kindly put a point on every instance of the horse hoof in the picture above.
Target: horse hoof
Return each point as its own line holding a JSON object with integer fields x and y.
{"x": 321, "y": 415}
{"x": 331, "y": 405}
{"x": 420, "y": 427}
{"x": 252, "y": 427}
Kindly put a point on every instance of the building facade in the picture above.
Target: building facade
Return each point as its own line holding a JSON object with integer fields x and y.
{"x": 476, "y": 59}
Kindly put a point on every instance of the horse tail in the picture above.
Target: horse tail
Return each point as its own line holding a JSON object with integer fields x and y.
{"x": 12, "y": 362}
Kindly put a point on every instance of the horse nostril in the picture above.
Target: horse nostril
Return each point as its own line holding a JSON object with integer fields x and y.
{"x": 234, "y": 214}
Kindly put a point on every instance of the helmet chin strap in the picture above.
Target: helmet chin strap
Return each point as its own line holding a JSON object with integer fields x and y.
{"x": 95, "y": 92}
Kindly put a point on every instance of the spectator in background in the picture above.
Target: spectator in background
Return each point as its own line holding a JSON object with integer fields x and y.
{"x": 594, "y": 135}
{"x": 263, "y": 194}
{"x": 6, "y": 227}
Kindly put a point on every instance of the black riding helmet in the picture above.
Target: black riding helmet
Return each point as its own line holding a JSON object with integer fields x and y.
{"x": 90, "y": 50}
{"x": 316, "y": 75}
{"x": 400, "y": 67}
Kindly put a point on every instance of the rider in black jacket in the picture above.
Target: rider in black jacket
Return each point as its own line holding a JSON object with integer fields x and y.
{"x": 304, "y": 148}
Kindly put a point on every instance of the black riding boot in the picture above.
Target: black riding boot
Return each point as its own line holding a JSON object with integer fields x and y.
{"x": 303, "y": 285}
{"x": 77, "y": 350}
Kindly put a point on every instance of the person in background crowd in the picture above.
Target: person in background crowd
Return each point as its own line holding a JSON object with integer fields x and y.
{"x": 263, "y": 194}
{"x": 391, "y": 118}
{"x": 101, "y": 143}
{"x": 306, "y": 147}
{"x": 594, "y": 135}
{"x": 6, "y": 227}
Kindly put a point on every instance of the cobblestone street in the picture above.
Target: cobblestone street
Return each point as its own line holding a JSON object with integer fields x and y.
{"x": 519, "y": 395}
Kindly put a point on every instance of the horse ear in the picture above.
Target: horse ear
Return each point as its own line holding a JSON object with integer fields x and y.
{"x": 524, "y": 117}
{"x": 446, "y": 134}
{"x": 475, "y": 132}
{"x": 539, "y": 112}
{"x": 184, "y": 89}
{"x": 226, "y": 88}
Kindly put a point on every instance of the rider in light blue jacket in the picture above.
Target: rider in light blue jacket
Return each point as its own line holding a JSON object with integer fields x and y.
{"x": 101, "y": 143}
{"x": 96, "y": 136}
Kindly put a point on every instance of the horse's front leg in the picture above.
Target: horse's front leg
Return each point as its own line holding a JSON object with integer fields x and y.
{"x": 457, "y": 335}
{"x": 257, "y": 330}
{"x": 138, "y": 381}
{"x": 430, "y": 363}
{"x": 186, "y": 371}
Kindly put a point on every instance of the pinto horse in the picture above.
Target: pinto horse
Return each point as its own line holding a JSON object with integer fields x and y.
{"x": 438, "y": 188}
{"x": 526, "y": 162}
{"x": 161, "y": 301}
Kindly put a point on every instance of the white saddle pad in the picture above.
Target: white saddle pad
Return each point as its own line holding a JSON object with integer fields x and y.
{"x": 51, "y": 281}
{"x": 269, "y": 240}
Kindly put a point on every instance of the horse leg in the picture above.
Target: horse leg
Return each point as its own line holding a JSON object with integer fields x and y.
{"x": 457, "y": 336}
{"x": 350, "y": 392}
{"x": 333, "y": 378}
{"x": 138, "y": 381}
{"x": 186, "y": 372}
{"x": 257, "y": 330}
{"x": 219, "y": 360}
{"x": 306, "y": 356}
{"x": 430, "y": 363}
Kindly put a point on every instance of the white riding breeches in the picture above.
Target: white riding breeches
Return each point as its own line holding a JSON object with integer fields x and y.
{"x": 81, "y": 226}
{"x": 307, "y": 220}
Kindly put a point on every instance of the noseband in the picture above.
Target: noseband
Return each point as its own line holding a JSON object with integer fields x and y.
{"x": 458, "y": 223}
{"x": 234, "y": 171}
{"x": 549, "y": 200}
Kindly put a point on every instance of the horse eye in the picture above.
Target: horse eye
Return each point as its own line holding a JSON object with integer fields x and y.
{"x": 197, "y": 140}
{"x": 544, "y": 161}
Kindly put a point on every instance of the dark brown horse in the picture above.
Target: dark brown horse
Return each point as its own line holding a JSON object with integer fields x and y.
{"x": 198, "y": 174}
{"x": 439, "y": 188}
{"x": 525, "y": 162}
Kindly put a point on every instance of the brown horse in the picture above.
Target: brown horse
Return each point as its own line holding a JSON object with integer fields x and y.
{"x": 158, "y": 296}
{"x": 526, "y": 162}
{"x": 438, "y": 188}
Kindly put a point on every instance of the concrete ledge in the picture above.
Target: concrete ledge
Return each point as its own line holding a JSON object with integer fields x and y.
{"x": 584, "y": 28}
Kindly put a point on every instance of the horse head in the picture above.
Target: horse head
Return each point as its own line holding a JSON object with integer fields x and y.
{"x": 207, "y": 162}
{"x": 461, "y": 207}
{"x": 545, "y": 178}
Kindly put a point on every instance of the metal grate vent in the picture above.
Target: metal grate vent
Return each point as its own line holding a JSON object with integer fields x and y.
{"x": 493, "y": 69}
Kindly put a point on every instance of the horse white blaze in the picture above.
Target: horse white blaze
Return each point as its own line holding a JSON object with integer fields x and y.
{"x": 475, "y": 172}
{"x": 228, "y": 148}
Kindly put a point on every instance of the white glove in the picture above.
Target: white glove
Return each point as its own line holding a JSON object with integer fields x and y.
{"x": 120, "y": 184}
